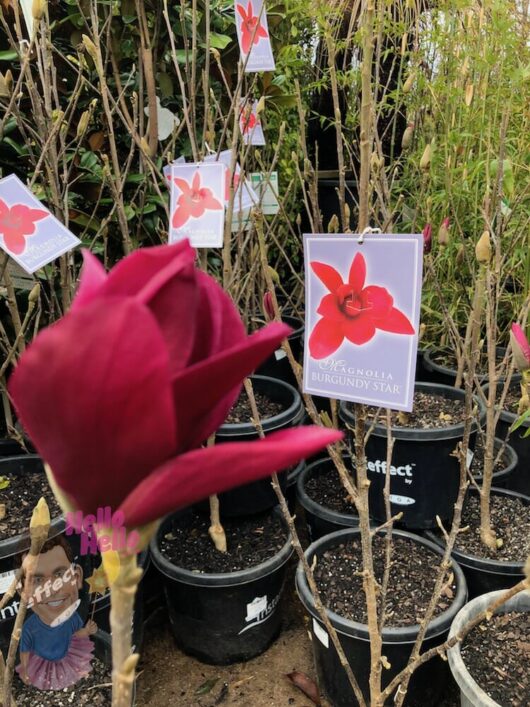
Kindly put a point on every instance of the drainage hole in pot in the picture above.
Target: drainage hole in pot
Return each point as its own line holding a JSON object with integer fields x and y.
{"x": 250, "y": 541}
{"x": 510, "y": 519}
{"x": 241, "y": 412}
{"x": 92, "y": 691}
{"x": 19, "y": 494}
{"x": 412, "y": 577}
{"x": 430, "y": 411}
{"x": 496, "y": 655}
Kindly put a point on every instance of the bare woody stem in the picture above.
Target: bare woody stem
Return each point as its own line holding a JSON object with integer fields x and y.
{"x": 122, "y": 596}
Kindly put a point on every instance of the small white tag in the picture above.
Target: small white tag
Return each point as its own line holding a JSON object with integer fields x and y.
{"x": 469, "y": 458}
{"x": 6, "y": 580}
{"x": 320, "y": 634}
{"x": 279, "y": 354}
{"x": 255, "y": 608}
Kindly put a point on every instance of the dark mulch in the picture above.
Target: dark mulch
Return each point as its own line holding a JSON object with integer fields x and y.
{"x": 511, "y": 402}
{"x": 93, "y": 691}
{"x": 326, "y": 489}
{"x": 511, "y": 522}
{"x": 250, "y": 541}
{"x": 241, "y": 411}
{"x": 412, "y": 578}
{"x": 496, "y": 654}
{"x": 430, "y": 411}
{"x": 20, "y": 498}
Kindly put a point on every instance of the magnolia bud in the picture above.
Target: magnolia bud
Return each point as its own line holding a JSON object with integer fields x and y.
{"x": 82, "y": 125}
{"x": 268, "y": 306}
{"x": 460, "y": 254}
{"x": 260, "y": 105}
{"x": 483, "y": 248}
{"x": 376, "y": 162}
{"x": 298, "y": 220}
{"x": 38, "y": 8}
{"x": 406, "y": 140}
{"x": 407, "y": 86}
{"x": 520, "y": 348}
{"x": 443, "y": 232}
{"x": 333, "y": 225}
{"x": 35, "y": 293}
{"x": 427, "y": 238}
{"x": 404, "y": 42}
{"x": 469, "y": 94}
{"x": 90, "y": 47}
{"x": 425, "y": 161}
{"x": 421, "y": 333}
{"x": 40, "y": 518}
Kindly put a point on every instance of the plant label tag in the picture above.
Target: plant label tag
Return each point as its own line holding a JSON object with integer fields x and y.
{"x": 6, "y": 580}
{"x": 255, "y": 608}
{"x": 29, "y": 233}
{"x": 167, "y": 168}
{"x": 197, "y": 204}
{"x": 241, "y": 221}
{"x": 320, "y": 633}
{"x": 469, "y": 458}
{"x": 253, "y": 35}
{"x": 362, "y": 317}
{"x": 267, "y": 187}
{"x": 245, "y": 197}
{"x": 279, "y": 354}
{"x": 250, "y": 124}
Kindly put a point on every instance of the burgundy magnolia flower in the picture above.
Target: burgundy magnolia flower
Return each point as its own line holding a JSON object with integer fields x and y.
{"x": 352, "y": 310}
{"x": 251, "y": 29}
{"x": 119, "y": 394}
{"x": 427, "y": 238}
{"x": 194, "y": 200}
{"x": 268, "y": 306}
{"x": 16, "y": 223}
{"x": 520, "y": 348}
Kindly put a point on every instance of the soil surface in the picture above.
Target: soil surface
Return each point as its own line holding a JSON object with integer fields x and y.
{"x": 93, "y": 691}
{"x": 241, "y": 412}
{"x": 430, "y": 411}
{"x": 477, "y": 465}
{"x": 20, "y": 498}
{"x": 448, "y": 358}
{"x": 496, "y": 655}
{"x": 511, "y": 522}
{"x": 412, "y": 578}
{"x": 511, "y": 402}
{"x": 250, "y": 541}
{"x": 326, "y": 489}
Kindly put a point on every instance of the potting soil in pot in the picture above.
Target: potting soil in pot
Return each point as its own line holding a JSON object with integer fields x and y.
{"x": 412, "y": 578}
{"x": 497, "y": 653}
{"x": 20, "y": 493}
{"x": 511, "y": 521}
{"x": 448, "y": 359}
{"x": 430, "y": 411}
{"x": 250, "y": 541}
{"x": 477, "y": 464}
{"x": 327, "y": 490}
{"x": 92, "y": 691}
{"x": 241, "y": 411}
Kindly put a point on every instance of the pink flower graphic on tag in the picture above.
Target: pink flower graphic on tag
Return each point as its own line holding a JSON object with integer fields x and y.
{"x": 228, "y": 182}
{"x": 16, "y": 223}
{"x": 352, "y": 311}
{"x": 248, "y": 119}
{"x": 194, "y": 201}
{"x": 251, "y": 29}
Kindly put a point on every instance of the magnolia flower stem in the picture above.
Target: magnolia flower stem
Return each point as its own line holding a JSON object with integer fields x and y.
{"x": 122, "y": 595}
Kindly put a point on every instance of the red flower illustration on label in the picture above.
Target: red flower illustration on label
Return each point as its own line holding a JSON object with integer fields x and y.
{"x": 248, "y": 120}
{"x": 16, "y": 223}
{"x": 194, "y": 201}
{"x": 228, "y": 182}
{"x": 352, "y": 311}
{"x": 251, "y": 29}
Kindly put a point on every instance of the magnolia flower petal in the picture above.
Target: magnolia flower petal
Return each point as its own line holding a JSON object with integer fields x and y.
{"x": 357, "y": 274}
{"x": 214, "y": 384}
{"x": 93, "y": 392}
{"x": 191, "y": 477}
{"x": 520, "y": 347}
{"x": 328, "y": 275}
{"x": 92, "y": 278}
{"x": 359, "y": 330}
{"x": 395, "y": 322}
{"x": 325, "y": 338}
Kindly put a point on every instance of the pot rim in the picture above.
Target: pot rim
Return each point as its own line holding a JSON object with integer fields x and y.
{"x": 308, "y": 504}
{"x": 217, "y": 579}
{"x": 417, "y": 434}
{"x": 448, "y": 371}
{"x": 506, "y": 415}
{"x": 358, "y": 630}
{"x": 454, "y": 655}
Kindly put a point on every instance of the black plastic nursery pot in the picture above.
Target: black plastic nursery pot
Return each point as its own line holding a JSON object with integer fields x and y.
{"x": 277, "y": 365}
{"x": 328, "y": 198}
{"x": 320, "y": 519}
{"x": 424, "y": 474}
{"x": 519, "y": 480}
{"x": 292, "y": 478}
{"x": 223, "y": 618}
{"x": 427, "y": 682}
{"x": 501, "y": 477}
{"x": 259, "y": 496}
{"x": 446, "y": 375}
{"x": 11, "y": 547}
{"x": 484, "y": 575}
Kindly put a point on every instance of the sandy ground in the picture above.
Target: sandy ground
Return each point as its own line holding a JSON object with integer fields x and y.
{"x": 170, "y": 678}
